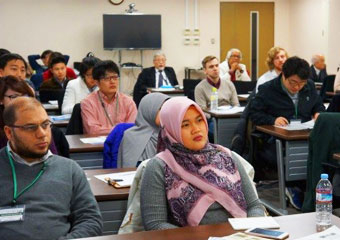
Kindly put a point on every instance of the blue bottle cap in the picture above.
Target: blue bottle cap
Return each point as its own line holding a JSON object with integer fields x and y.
{"x": 324, "y": 176}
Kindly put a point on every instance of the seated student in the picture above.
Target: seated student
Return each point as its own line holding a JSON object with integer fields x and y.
{"x": 13, "y": 64}
{"x": 227, "y": 94}
{"x": 79, "y": 88}
{"x": 69, "y": 71}
{"x": 139, "y": 142}
{"x": 232, "y": 69}
{"x": 289, "y": 96}
{"x": 32, "y": 60}
{"x": 103, "y": 109}
{"x": 11, "y": 88}
{"x": 57, "y": 199}
{"x": 154, "y": 77}
{"x": 58, "y": 81}
{"x": 318, "y": 70}
{"x": 192, "y": 182}
{"x": 276, "y": 57}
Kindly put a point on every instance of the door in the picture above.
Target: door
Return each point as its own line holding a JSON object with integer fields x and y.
{"x": 250, "y": 28}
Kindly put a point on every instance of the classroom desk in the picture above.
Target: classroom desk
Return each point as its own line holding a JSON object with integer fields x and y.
{"x": 88, "y": 156}
{"x": 51, "y": 109}
{"x": 291, "y": 159}
{"x": 297, "y": 226}
{"x": 172, "y": 92}
{"x": 112, "y": 201}
{"x": 224, "y": 126}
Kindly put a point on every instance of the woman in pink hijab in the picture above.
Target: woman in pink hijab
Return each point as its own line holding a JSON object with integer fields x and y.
{"x": 191, "y": 182}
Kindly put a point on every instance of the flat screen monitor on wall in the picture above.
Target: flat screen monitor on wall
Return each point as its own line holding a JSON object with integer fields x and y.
{"x": 124, "y": 31}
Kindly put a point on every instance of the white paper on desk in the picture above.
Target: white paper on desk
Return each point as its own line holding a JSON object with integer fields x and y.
{"x": 127, "y": 177}
{"x": 243, "y": 95}
{"x": 229, "y": 110}
{"x": 60, "y": 117}
{"x": 252, "y": 222}
{"x": 53, "y": 102}
{"x": 332, "y": 233}
{"x": 94, "y": 140}
{"x": 238, "y": 236}
{"x": 294, "y": 125}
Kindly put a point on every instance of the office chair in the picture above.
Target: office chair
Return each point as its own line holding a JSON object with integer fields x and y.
{"x": 244, "y": 87}
{"x": 75, "y": 125}
{"x": 327, "y": 86}
{"x": 189, "y": 87}
{"x": 324, "y": 141}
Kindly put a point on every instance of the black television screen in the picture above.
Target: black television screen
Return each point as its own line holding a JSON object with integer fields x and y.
{"x": 124, "y": 31}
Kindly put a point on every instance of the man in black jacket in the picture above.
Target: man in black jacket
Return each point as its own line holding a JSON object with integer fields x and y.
{"x": 154, "y": 77}
{"x": 318, "y": 70}
{"x": 289, "y": 96}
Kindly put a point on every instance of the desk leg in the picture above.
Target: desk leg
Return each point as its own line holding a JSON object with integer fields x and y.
{"x": 281, "y": 176}
{"x": 215, "y": 130}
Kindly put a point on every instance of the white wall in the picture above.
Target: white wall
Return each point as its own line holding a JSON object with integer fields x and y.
{"x": 334, "y": 36}
{"x": 74, "y": 27}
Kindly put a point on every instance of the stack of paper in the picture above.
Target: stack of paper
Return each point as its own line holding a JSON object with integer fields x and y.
{"x": 294, "y": 125}
{"x": 238, "y": 236}
{"x": 229, "y": 110}
{"x": 60, "y": 117}
{"x": 252, "y": 222}
{"x": 124, "y": 179}
{"x": 94, "y": 140}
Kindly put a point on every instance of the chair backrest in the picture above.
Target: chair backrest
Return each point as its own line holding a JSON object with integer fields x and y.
{"x": 327, "y": 86}
{"x": 75, "y": 125}
{"x": 37, "y": 80}
{"x": 334, "y": 105}
{"x": 243, "y": 87}
{"x": 111, "y": 145}
{"x": 189, "y": 87}
{"x": 324, "y": 141}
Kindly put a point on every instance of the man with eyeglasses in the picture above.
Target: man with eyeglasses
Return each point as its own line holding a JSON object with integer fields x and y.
{"x": 154, "y": 77}
{"x": 289, "y": 97}
{"x": 103, "y": 109}
{"x": 42, "y": 195}
{"x": 232, "y": 68}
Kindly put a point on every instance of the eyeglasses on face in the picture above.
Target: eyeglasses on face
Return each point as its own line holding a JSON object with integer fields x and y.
{"x": 294, "y": 83}
{"x": 14, "y": 96}
{"x": 34, "y": 127}
{"x": 235, "y": 56}
{"x": 110, "y": 78}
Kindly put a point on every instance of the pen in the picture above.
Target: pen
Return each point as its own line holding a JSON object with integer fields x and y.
{"x": 110, "y": 181}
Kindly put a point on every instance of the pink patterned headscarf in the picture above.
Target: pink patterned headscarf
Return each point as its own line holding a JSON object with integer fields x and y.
{"x": 196, "y": 179}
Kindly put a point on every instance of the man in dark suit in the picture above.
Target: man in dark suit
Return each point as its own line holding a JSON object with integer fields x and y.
{"x": 318, "y": 68}
{"x": 154, "y": 77}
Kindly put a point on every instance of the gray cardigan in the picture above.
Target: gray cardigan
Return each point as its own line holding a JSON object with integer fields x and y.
{"x": 154, "y": 207}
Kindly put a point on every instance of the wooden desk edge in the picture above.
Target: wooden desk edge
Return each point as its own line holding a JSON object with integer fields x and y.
{"x": 283, "y": 133}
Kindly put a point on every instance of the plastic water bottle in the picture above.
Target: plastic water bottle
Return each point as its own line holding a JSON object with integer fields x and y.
{"x": 323, "y": 203}
{"x": 214, "y": 99}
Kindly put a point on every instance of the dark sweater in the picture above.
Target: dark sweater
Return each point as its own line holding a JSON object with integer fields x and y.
{"x": 272, "y": 102}
{"x": 60, "y": 205}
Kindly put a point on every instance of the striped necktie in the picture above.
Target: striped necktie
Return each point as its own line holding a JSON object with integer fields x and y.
{"x": 160, "y": 79}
